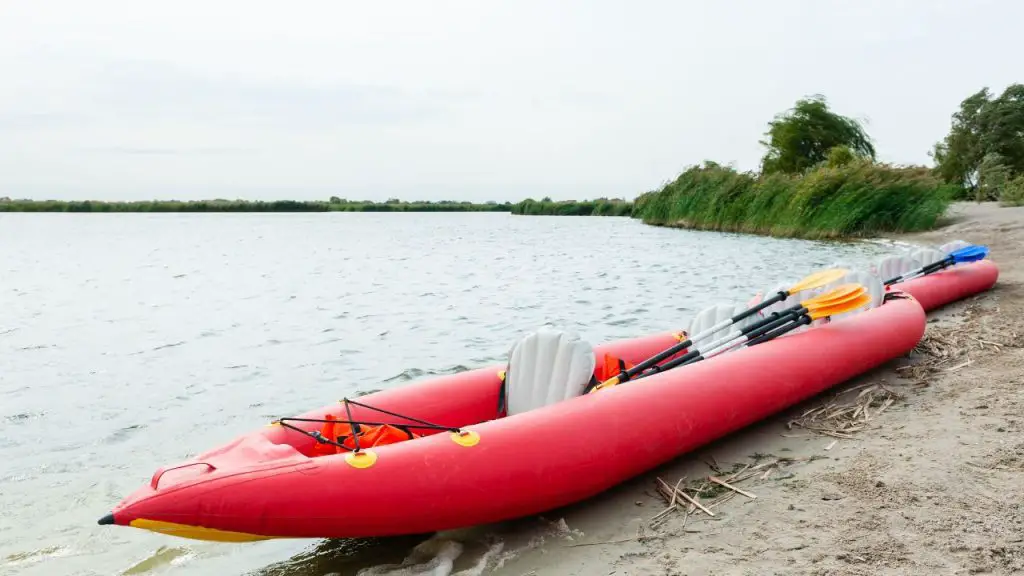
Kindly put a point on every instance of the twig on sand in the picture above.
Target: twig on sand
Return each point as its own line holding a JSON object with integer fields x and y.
{"x": 842, "y": 419}
{"x": 672, "y": 502}
{"x": 960, "y": 365}
{"x": 718, "y": 489}
{"x": 940, "y": 345}
{"x": 736, "y": 474}
{"x": 721, "y": 482}
{"x": 622, "y": 541}
{"x": 686, "y": 497}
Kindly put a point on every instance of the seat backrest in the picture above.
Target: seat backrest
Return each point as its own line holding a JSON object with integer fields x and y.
{"x": 927, "y": 256}
{"x": 546, "y": 367}
{"x": 872, "y": 284}
{"x": 895, "y": 265}
{"x": 953, "y": 246}
{"x": 789, "y": 302}
{"x": 712, "y": 315}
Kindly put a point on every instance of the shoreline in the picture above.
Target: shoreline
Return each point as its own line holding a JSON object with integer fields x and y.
{"x": 926, "y": 485}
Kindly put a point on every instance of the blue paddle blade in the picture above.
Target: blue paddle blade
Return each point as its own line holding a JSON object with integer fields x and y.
{"x": 969, "y": 254}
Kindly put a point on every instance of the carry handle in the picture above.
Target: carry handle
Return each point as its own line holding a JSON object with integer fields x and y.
{"x": 155, "y": 481}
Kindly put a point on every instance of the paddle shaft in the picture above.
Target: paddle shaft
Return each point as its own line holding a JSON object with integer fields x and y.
{"x": 921, "y": 271}
{"x": 801, "y": 321}
{"x": 963, "y": 255}
{"x": 626, "y": 375}
{"x": 722, "y": 345}
{"x": 748, "y": 333}
{"x": 777, "y": 328}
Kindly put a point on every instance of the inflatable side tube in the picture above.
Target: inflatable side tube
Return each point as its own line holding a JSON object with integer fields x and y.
{"x": 952, "y": 284}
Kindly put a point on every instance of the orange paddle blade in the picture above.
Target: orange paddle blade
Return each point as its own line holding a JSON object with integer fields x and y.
{"x": 840, "y": 308}
{"x": 839, "y": 294}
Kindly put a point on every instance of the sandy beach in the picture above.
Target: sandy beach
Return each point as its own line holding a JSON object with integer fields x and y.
{"x": 913, "y": 468}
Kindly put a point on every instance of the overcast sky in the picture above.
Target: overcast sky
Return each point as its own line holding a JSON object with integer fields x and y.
{"x": 479, "y": 100}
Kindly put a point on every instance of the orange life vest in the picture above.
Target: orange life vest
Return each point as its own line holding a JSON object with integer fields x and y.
{"x": 611, "y": 366}
{"x": 369, "y": 436}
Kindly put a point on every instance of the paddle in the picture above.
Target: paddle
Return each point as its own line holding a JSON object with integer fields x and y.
{"x": 815, "y": 280}
{"x": 805, "y": 319}
{"x": 834, "y": 297}
{"x": 854, "y": 298}
{"x": 966, "y": 254}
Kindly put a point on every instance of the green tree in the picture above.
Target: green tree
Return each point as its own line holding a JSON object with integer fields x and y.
{"x": 840, "y": 156}
{"x": 803, "y": 137}
{"x": 983, "y": 125}
{"x": 993, "y": 175}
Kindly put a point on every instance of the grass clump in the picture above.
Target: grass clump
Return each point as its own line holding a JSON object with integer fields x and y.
{"x": 855, "y": 197}
{"x": 599, "y": 207}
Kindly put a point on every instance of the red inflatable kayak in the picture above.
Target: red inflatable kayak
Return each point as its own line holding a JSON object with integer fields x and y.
{"x": 480, "y": 467}
{"x": 952, "y": 284}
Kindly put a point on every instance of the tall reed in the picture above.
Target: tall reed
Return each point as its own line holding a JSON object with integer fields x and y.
{"x": 861, "y": 198}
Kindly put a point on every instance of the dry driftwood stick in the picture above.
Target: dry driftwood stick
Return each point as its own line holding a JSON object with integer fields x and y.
{"x": 675, "y": 491}
{"x": 672, "y": 503}
{"x": 682, "y": 494}
{"x": 722, "y": 499}
{"x": 721, "y": 482}
{"x": 737, "y": 473}
{"x": 623, "y": 541}
{"x": 687, "y": 497}
{"x": 959, "y": 366}
{"x": 666, "y": 491}
{"x": 888, "y": 402}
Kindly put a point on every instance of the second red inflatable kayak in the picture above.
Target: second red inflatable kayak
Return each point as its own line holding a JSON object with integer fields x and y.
{"x": 952, "y": 284}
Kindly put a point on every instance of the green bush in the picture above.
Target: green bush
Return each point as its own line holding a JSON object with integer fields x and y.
{"x": 1012, "y": 193}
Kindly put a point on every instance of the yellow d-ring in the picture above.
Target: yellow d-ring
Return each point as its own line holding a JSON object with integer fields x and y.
{"x": 361, "y": 459}
{"x": 465, "y": 438}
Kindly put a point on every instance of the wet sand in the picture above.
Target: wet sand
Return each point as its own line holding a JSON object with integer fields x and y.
{"x": 928, "y": 482}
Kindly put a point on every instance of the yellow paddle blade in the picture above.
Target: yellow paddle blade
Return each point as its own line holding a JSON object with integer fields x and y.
{"x": 818, "y": 279}
{"x": 838, "y": 294}
{"x": 840, "y": 308}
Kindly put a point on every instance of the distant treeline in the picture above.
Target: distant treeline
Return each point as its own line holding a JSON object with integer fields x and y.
{"x": 548, "y": 207}
{"x": 335, "y": 204}
{"x": 529, "y": 207}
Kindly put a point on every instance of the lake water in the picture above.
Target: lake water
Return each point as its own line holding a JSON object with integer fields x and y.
{"x": 130, "y": 341}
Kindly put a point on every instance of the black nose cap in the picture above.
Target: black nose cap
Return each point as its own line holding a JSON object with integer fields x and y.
{"x": 106, "y": 520}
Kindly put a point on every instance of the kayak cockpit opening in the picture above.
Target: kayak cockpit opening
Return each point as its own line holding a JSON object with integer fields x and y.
{"x": 544, "y": 367}
{"x": 338, "y": 436}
